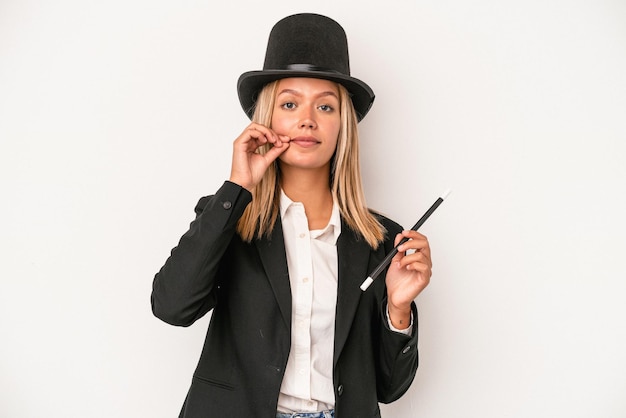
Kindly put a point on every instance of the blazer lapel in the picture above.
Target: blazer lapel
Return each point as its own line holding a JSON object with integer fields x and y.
{"x": 274, "y": 259}
{"x": 353, "y": 259}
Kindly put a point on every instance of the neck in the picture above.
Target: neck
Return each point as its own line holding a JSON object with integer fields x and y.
{"x": 311, "y": 188}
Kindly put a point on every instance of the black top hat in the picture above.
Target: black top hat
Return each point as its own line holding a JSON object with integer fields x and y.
{"x": 305, "y": 45}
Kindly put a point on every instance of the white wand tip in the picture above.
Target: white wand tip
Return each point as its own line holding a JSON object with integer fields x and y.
{"x": 446, "y": 194}
{"x": 366, "y": 283}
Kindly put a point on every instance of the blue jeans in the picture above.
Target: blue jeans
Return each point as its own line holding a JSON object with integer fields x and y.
{"x": 323, "y": 414}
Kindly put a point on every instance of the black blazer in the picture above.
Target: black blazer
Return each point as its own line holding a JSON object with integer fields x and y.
{"x": 247, "y": 286}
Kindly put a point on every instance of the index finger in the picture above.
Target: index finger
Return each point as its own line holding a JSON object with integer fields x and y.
{"x": 415, "y": 241}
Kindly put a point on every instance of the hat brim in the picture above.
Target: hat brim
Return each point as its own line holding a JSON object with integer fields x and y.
{"x": 250, "y": 84}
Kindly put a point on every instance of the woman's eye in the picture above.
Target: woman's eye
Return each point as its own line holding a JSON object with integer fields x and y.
{"x": 289, "y": 105}
{"x": 326, "y": 108}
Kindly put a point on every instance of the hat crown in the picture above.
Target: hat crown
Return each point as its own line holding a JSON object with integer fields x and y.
{"x": 307, "y": 39}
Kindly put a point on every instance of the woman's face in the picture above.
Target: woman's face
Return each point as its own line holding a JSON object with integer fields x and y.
{"x": 307, "y": 110}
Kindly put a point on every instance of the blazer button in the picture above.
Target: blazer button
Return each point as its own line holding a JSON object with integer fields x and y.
{"x": 406, "y": 349}
{"x": 227, "y": 205}
{"x": 340, "y": 390}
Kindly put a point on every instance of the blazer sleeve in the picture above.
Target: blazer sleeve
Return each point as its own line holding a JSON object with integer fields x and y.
{"x": 184, "y": 289}
{"x": 398, "y": 358}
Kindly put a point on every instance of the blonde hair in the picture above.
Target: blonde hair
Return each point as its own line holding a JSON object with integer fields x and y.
{"x": 346, "y": 187}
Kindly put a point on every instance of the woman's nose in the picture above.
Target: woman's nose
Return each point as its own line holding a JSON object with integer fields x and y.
{"x": 307, "y": 119}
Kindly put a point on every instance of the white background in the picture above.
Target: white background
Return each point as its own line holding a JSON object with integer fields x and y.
{"x": 116, "y": 116}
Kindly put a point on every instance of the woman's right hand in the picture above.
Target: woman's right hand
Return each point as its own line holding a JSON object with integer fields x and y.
{"x": 248, "y": 166}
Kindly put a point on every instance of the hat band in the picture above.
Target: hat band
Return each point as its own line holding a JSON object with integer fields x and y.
{"x": 309, "y": 67}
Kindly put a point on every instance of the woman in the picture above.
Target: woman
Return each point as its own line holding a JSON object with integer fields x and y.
{"x": 279, "y": 251}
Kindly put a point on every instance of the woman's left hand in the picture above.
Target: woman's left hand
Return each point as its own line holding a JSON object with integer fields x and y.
{"x": 408, "y": 274}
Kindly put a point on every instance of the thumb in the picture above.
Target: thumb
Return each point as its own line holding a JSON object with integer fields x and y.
{"x": 396, "y": 258}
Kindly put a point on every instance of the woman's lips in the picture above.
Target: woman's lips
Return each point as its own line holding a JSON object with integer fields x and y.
{"x": 305, "y": 141}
